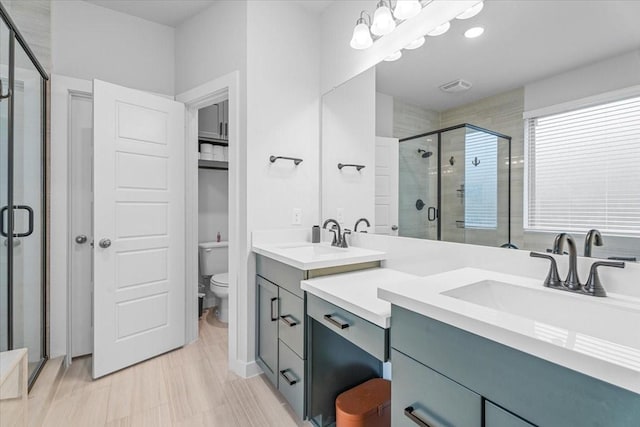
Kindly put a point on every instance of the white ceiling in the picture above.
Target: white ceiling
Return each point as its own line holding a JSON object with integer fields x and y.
{"x": 174, "y": 12}
{"x": 524, "y": 41}
{"x": 166, "y": 12}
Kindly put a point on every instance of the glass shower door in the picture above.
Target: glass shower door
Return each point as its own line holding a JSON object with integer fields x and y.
{"x": 28, "y": 212}
{"x": 4, "y": 185}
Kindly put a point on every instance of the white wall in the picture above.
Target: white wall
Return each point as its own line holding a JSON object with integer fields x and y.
{"x": 92, "y": 42}
{"x": 610, "y": 74}
{"x": 213, "y": 204}
{"x": 384, "y": 115}
{"x": 348, "y": 136}
{"x": 211, "y": 44}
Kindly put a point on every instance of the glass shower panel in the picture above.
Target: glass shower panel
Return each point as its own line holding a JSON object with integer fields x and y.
{"x": 4, "y": 184}
{"x": 452, "y": 198}
{"x": 28, "y": 209}
{"x": 418, "y": 184}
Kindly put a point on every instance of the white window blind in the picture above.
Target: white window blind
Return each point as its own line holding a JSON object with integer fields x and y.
{"x": 481, "y": 180}
{"x": 584, "y": 169}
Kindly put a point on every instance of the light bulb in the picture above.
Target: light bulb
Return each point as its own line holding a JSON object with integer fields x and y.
{"x": 383, "y": 22}
{"x": 415, "y": 44}
{"x": 474, "y": 32}
{"x": 471, "y": 12}
{"x": 361, "y": 36}
{"x": 406, "y": 9}
{"x": 440, "y": 30}
{"x": 394, "y": 56}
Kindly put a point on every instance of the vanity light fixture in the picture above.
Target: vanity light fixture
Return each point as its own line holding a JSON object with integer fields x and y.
{"x": 394, "y": 56}
{"x": 474, "y": 32}
{"x": 383, "y": 20}
{"x": 471, "y": 12}
{"x": 415, "y": 44}
{"x": 361, "y": 35}
{"x": 406, "y": 9}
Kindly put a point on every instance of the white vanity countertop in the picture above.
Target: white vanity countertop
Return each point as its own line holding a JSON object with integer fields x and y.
{"x": 550, "y": 324}
{"x": 310, "y": 256}
{"x": 357, "y": 292}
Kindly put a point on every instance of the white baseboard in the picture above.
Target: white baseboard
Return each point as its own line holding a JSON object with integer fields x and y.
{"x": 245, "y": 370}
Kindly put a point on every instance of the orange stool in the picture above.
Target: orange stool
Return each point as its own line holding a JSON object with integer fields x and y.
{"x": 366, "y": 405}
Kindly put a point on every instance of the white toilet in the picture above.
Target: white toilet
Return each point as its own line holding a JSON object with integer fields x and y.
{"x": 214, "y": 262}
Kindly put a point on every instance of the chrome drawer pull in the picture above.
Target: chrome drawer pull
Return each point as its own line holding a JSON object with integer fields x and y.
{"x": 408, "y": 412}
{"x": 329, "y": 318}
{"x": 287, "y": 322}
{"x": 289, "y": 381}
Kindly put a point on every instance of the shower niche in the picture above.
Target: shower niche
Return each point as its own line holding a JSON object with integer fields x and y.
{"x": 455, "y": 185}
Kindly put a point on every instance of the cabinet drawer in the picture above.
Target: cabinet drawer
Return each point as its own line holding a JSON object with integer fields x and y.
{"x": 495, "y": 416}
{"x": 291, "y": 378}
{"x": 369, "y": 337}
{"x": 291, "y": 322}
{"x": 281, "y": 274}
{"x": 420, "y": 394}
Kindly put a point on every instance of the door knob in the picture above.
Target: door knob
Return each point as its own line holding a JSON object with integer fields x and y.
{"x": 80, "y": 239}
{"x": 394, "y": 227}
{"x": 104, "y": 243}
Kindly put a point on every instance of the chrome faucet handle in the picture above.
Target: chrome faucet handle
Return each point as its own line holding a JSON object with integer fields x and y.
{"x": 594, "y": 286}
{"x": 336, "y": 236}
{"x": 343, "y": 241}
{"x": 553, "y": 278}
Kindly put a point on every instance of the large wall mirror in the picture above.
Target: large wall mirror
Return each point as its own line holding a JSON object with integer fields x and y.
{"x": 505, "y": 139}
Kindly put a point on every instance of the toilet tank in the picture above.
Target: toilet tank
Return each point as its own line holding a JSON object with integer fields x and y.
{"x": 214, "y": 258}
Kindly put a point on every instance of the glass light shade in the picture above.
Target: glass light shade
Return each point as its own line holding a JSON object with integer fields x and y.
{"x": 361, "y": 37}
{"x": 471, "y": 12}
{"x": 394, "y": 56}
{"x": 383, "y": 22}
{"x": 474, "y": 32}
{"x": 406, "y": 9}
{"x": 440, "y": 30}
{"x": 415, "y": 44}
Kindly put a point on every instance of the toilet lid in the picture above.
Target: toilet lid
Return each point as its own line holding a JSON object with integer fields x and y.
{"x": 220, "y": 279}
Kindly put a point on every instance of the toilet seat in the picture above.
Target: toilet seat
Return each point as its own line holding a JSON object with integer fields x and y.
{"x": 221, "y": 280}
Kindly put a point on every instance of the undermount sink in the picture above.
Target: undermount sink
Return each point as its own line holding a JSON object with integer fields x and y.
{"x": 598, "y": 323}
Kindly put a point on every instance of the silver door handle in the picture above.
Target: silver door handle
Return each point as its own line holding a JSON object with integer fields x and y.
{"x": 80, "y": 239}
{"x": 104, "y": 243}
{"x": 394, "y": 227}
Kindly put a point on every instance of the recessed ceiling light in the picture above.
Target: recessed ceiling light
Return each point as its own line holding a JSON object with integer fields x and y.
{"x": 415, "y": 44}
{"x": 471, "y": 12}
{"x": 440, "y": 30}
{"x": 394, "y": 56}
{"x": 474, "y": 32}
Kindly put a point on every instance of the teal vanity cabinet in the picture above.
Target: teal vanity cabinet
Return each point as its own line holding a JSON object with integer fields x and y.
{"x": 445, "y": 376}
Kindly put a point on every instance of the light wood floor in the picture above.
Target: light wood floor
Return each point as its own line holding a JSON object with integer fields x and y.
{"x": 190, "y": 386}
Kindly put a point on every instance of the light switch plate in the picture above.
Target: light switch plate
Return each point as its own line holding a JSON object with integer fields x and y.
{"x": 340, "y": 215}
{"x": 296, "y": 219}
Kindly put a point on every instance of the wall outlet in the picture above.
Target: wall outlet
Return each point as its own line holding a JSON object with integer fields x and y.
{"x": 296, "y": 218}
{"x": 340, "y": 215}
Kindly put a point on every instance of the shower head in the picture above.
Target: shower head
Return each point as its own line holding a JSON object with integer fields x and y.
{"x": 425, "y": 154}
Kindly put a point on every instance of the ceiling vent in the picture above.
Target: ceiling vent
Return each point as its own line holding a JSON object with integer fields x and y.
{"x": 456, "y": 86}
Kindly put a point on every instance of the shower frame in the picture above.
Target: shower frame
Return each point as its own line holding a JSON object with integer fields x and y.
{"x": 439, "y": 133}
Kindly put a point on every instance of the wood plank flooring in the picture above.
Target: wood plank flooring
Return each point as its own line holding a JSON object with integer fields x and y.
{"x": 190, "y": 386}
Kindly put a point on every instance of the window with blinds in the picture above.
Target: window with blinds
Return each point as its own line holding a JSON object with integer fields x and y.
{"x": 481, "y": 180}
{"x": 584, "y": 169}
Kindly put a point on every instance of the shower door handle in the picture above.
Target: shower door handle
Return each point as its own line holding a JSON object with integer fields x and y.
{"x": 432, "y": 213}
{"x": 29, "y": 210}
{"x": 2, "y": 95}
{"x": 2, "y": 212}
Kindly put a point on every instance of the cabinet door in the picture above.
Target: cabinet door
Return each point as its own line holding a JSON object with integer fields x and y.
{"x": 495, "y": 416}
{"x": 267, "y": 345}
{"x": 421, "y": 396}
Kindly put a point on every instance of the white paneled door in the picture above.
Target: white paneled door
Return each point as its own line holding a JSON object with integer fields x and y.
{"x": 387, "y": 178}
{"x": 139, "y": 290}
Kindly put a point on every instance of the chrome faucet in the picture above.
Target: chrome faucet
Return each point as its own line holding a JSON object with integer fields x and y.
{"x": 365, "y": 220}
{"x": 572, "y": 281}
{"x": 337, "y": 235}
{"x": 593, "y": 237}
{"x": 343, "y": 241}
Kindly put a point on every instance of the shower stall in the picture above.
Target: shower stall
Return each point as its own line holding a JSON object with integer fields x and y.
{"x": 455, "y": 185}
{"x": 22, "y": 198}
